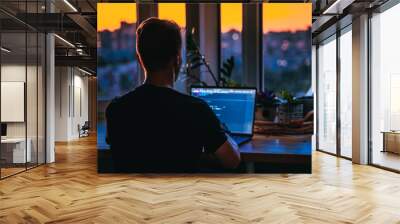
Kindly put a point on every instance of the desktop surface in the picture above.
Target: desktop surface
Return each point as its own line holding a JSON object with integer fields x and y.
{"x": 270, "y": 154}
{"x": 233, "y": 107}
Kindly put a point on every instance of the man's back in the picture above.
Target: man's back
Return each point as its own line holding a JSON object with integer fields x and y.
{"x": 156, "y": 129}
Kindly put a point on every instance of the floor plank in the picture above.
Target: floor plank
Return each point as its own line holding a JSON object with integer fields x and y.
{"x": 71, "y": 191}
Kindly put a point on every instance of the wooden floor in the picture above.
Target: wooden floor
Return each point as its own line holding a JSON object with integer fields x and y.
{"x": 387, "y": 159}
{"x": 70, "y": 191}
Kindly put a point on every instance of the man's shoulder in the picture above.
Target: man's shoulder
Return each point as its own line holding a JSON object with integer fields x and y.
{"x": 118, "y": 102}
{"x": 191, "y": 100}
{"x": 169, "y": 95}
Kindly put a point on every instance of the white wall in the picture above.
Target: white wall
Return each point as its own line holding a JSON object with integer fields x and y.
{"x": 33, "y": 126}
{"x": 62, "y": 83}
{"x": 15, "y": 73}
{"x": 71, "y": 94}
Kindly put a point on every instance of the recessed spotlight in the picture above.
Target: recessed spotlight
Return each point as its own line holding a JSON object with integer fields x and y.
{"x": 64, "y": 40}
{"x": 5, "y": 50}
{"x": 85, "y": 72}
{"x": 70, "y": 5}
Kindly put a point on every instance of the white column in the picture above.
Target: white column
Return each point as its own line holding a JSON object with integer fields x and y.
{"x": 50, "y": 98}
{"x": 360, "y": 90}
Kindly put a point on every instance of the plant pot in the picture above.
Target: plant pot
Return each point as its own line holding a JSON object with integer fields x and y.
{"x": 259, "y": 114}
{"x": 289, "y": 112}
{"x": 269, "y": 113}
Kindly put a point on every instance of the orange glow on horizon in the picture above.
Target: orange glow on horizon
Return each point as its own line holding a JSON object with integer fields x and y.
{"x": 231, "y": 17}
{"x": 173, "y": 11}
{"x": 110, "y": 15}
{"x": 278, "y": 17}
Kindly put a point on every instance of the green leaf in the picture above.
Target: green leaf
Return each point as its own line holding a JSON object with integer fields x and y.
{"x": 227, "y": 67}
{"x": 224, "y": 72}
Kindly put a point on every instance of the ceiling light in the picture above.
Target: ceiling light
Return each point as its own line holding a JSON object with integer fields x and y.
{"x": 331, "y": 7}
{"x": 5, "y": 50}
{"x": 337, "y": 7}
{"x": 70, "y": 5}
{"x": 84, "y": 71}
{"x": 65, "y": 41}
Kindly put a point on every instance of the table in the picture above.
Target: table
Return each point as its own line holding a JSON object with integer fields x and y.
{"x": 263, "y": 154}
{"x": 13, "y": 150}
{"x": 391, "y": 141}
{"x": 278, "y": 154}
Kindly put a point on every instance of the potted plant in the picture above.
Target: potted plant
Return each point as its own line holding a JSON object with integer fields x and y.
{"x": 290, "y": 108}
{"x": 195, "y": 60}
{"x": 267, "y": 103}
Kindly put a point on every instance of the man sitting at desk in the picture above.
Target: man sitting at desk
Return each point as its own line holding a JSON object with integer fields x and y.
{"x": 157, "y": 129}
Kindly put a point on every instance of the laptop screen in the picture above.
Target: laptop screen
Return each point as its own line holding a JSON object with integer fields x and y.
{"x": 233, "y": 107}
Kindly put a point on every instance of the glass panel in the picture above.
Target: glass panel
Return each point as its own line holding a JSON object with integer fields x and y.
{"x": 32, "y": 98}
{"x": 346, "y": 94}
{"x": 117, "y": 68}
{"x": 287, "y": 48}
{"x": 385, "y": 84}
{"x": 13, "y": 89}
{"x": 327, "y": 96}
{"x": 287, "y": 98}
{"x": 231, "y": 39}
{"x": 41, "y": 98}
{"x": 177, "y": 13}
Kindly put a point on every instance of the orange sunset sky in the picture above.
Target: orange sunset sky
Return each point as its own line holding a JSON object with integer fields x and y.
{"x": 276, "y": 16}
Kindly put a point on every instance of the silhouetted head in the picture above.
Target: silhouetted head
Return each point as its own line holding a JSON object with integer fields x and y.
{"x": 158, "y": 46}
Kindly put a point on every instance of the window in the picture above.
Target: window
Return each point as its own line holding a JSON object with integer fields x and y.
{"x": 117, "y": 71}
{"x": 346, "y": 93}
{"x": 286, "y": 48}
{"x": 327, "y": 96}
{"x": 385, "y": 88}
{"x": 231, "y": 38}
{"x": 177, "y": 13}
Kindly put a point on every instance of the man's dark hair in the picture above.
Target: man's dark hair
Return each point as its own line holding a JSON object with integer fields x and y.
{"x": 157, "y": 42}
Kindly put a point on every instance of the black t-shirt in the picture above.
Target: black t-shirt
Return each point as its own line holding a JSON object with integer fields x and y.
{"x": 157, "y": 129}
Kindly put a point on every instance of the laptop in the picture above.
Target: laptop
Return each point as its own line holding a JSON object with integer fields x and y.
{"x": 234, "y": 108}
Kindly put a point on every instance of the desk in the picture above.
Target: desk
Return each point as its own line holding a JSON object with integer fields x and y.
{"x": 13, "y": 150}
{"x": 263, "y": 154}
{"x": 391, "y": 141}
{"x": 278, "y": 154}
